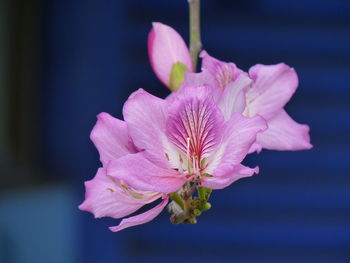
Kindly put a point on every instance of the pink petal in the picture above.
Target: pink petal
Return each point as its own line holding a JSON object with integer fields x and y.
{"x": 256, "y": 147}
{"x": 232, "y": 176}
{"x": 222, "y": 72}
{"x": 233, "y": 98}
{"x": 146, "y": 117}
{"x": 105, "y": 198}
{"x": 201, "y": 92}
{"x": 140, "y": 173}
{"x": 195, "y": 122}
{"x": 285, "y": 134}
{"x": 165, "y": 48}
{"x": 111, "y": 138}
{"x": 141, "y": 218}
{"x": 199, "y": 79}
{"x": 238, "y": 137}
{"x": 273, "y": 87}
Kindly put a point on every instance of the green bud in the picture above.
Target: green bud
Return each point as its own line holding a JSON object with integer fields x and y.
{"x": 197, "y": 212}
{"x": 177, "y": 75}
{"x": 206, "y": 206}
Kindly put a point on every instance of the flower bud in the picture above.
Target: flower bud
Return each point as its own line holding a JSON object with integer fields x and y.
{"x": 166, "y": 48}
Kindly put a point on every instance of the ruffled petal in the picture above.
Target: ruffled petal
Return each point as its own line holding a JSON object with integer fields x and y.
{"x": 256, "y": 147}
{"x": 141, "y": 218}
{"x": 273, "y": 87}
{"x": 140, "y": 173}
{"x": 236, "y": 173}
{"x": 285, "y": 134}
{"x": 233, "y": 98}
{"x": 199, "y": 79}
{"x": 165, "y": 48}
{"x": 222, "y": 72}
{"x": 146, "y": 117}
{"x": 201, "y": 92}
{"x": 105, "y": 198}
{"x": 238, "y": 137}
{"x": 111, "y": 138}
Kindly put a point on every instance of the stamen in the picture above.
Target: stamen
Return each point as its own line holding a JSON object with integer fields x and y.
{"x": 194, "y": 165}
{"x": 130, "y": 192}
{"x": 167, "y": 156}
{"x": 180, "y": 168}
{"x": 188, "y": 139}
{"x": 110, "y": 189}
{"x": 188, "y": 155}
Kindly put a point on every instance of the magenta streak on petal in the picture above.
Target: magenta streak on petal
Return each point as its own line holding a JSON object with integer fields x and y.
{"x": 196, "y": 120}
{"x": 224, "y": 75}
{"x": 223, "y": 72}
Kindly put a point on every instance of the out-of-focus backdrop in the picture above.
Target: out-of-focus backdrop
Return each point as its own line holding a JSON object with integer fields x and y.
{"x": 62, "y": 62}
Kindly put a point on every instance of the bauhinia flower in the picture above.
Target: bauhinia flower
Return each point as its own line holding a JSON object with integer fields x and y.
{"x": 169, "y": 55}
{"x": 168, "y": 149}
{"x": 107, "y": 196}
{"x": 264, "y": 91}
{"x": 193, "y": 141}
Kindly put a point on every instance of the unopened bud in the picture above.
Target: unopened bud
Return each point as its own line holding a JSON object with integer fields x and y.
{"x": 206, "y": 206}
{"x": 197, "y": 212}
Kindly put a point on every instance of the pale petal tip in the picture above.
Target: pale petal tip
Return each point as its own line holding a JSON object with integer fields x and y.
{"x": 114, "y": 228}
{"x": 203, "y": 54}
{"x": 86, "y": 207}
{"x": 82, "y": 206}
{"x": 307, "y": 143}
{"x": 256, "y": 170}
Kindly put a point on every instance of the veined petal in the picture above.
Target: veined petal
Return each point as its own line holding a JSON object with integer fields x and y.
{"x": 222, "y": 72}
{"x": 272, "y": 88}
{"x": 165, "y": 48}
{"x": 146, "y": 117}
{"x": 236, "y": 173}
{"x": 111, "y": 138}
{"x": 239, "y": 135}
{"x": 194, "y": 123}
{"x": 285, "y": 134}
{"x": 141, "y": 218}
{"x": 233, "y": 99}
{"x": 105, "y": 198}
{"x": 140, "y": 173}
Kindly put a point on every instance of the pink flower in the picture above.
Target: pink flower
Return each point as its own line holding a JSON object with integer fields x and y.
{"x": 184, "y": 138}
{"x": 109, "y": 197}
{"x": 264, "y": 91}
{"x": 166, "y": 48}
{"x": 162, "y": 145}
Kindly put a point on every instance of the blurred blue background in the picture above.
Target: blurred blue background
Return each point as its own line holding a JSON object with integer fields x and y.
{"x": 62, "y": 62}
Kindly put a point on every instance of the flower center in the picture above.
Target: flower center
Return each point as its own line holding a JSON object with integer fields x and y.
{"x": 194, "y": 128}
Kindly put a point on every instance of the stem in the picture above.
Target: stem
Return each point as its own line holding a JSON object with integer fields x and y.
{"x": 195, "y": 33}
{"x": 177, "y": 199}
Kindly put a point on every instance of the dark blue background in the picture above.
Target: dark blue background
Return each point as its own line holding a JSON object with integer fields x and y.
{"x": 94, "y": 54}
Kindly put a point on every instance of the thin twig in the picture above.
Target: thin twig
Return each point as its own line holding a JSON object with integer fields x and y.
{"x": 195, "y": 33}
